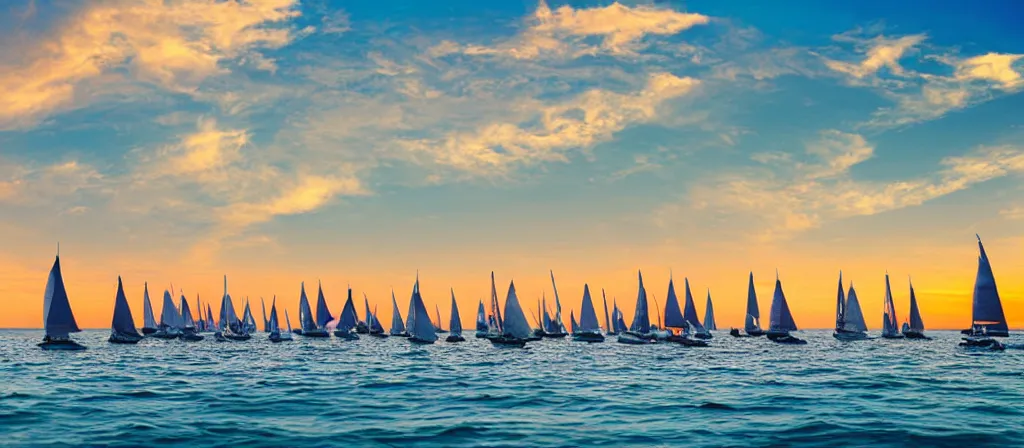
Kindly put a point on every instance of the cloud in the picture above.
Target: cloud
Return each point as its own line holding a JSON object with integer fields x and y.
{"x": 547, "y": 131}
{"x": 798, "y": 194}
{"x": 993, "y": 67}
{"x": 304, "y": 194}
{"x": 27, "y": 184}
{"x": 1013, "y": 213}
{"x": 880, "y": 52}
{"x": 208, "y": 149}
{"x": 562, "y": 32}
{"x": 173, "y": 45}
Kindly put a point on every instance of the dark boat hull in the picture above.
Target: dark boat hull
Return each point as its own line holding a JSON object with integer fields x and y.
{"x": 297, "y": 331}
{"x": 416, "y": 340}
{"x": 455, "y": 338}
{"x": 555, "y": 335}
{"x": 191, "y": 337}
{"x": 64, "y": 344}
{"x": 702, "y": 335}
{"x": 346, "y": 335}
{"x": 504, "y": 341}
{"x": 588, "y": 337}
{"x": 116, "y": 338}
{"x": 914, "y": 335}
{"x": 379, "y": 335}
{"x": 786, "y": 339}
{"x": 148, "y": 331}
{"x": 400, "y": 335}
{"x": 481, "y": 335}
{"x": 220, "y": 336}
{"x": 687, "y": 342}
{"x": 316, "y": 334}
{"x": 982, "y": 343}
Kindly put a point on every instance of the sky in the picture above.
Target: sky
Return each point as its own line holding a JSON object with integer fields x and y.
{"x": 358, "y": 142}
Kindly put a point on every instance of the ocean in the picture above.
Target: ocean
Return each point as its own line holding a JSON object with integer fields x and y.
{"x": 739, "y": 392}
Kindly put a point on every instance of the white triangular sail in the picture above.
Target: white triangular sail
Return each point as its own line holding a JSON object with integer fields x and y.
{"x": 709, "y": 315}
{"x": 854, "y": 313}
{"x": 397, "y": 326}
{"x": 752, "y": 321}
{"x": 641, "y": 319}
{"x": 122, "y": 323}
{"x": 148, "y": 320}
{"x": 890, "y": 324}
{"x": 420, "y": 326}
{"x": 58, "y": 320}
{"x": 481, "y": 317}
{"x": 987, "y": 308}
{"x": 588, "y": 316}
{"x": 572, "y": 320}
{"x": 170, "y": 316}
{"x": 781, "y": 319}
{"x": 287, "y": 321}
{"x": 690, "y": 310}
{"x": 273, "y": 326}
{"x": 266, "y": 322}
{"x": 673, "y": 313}
{"x": 187, "y": 320}
{"x": 607, "y": 320}
{"x": 916, "y": 323}
{"x": 840, "y": 305}
{"x": 248, "y": 321}
{"x": 558, "y": 306}
{"x": 306, "y": 320}
{"x": 323, "y": 314}
{"x": 455, "y": 322}
{"x": 348, "y": 318}
{"x": 515, "y": 323}
{"x": 228, "y": 316}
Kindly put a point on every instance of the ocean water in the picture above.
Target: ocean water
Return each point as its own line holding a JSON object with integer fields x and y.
{"x": 743, "y": 392}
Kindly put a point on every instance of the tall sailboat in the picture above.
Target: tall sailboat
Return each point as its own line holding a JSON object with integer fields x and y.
{"x": 171, "y": 325}
{"x": 231, "y": 327}
{"x": 288, "y": 326}
{"x": 572, "y": 321}
{"x": 607, "y": 320}
{"x": 266, "y": 322}
{"x": 201, "y": 321}
{"x": 850, "y": 325}
{"x": 307, "y": 323}
{"x": 640, "y": 330}
{"x": 58, "y": 320}
{"x": 274, "y": 327}
{"x": 515, "y": 328}
{"x": 437, "y": 326}
{"x": 494, "y": 323}
{"x": 481, "y": 321}
{"x": 397, "y": 325}
{"x": 557, "y": 326}
{"x": 420, "y": 328}
{"x": 781, "y": 320}
{"x": 674, "y": 319}
{"x": 345, "y": 327}
{"x": 589, "y": 330}
{"x": 752, "y": 321}
{"x": 914, "y": 328}
{"x": 987, "y": 318}
{"x": 248, "y": 320}
{"x": 454, "y": 323}
{"x": 890, "y": 324}
{"x": 189, "y": 328}
{"x": 148, "y": 320}
{"x": 690, "y": 315}
{"x": 709, "y": 314}
{"x": 376, "y": 330}
{"x": 211, "y": 325}
{"x": 122, "y": 327}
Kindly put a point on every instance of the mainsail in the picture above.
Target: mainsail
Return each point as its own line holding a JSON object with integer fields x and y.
{"x": 854, "y": 314}
{"x": 348, "y": 319}
{"x": 641, "y": 320}
{"x": 752, "y": 323}
{"x": 515, "y": 323}
{"x": 588, "y": 317}
{"x": 607, "y": 320}
{"x": 709, "y": 315}
{"x": 248, "y": 321}
{"x": 123, "y": 323}
{"x": 263, "y": 309}
{"x": 148, "y": 320}
{"x": 210, "y": 324}
{"x": 481, "y": 317}
{"x": 572, "y": 320}
{"x": 455, "y": 322}
{"x": 323, "y": 315}
{"x": 228, "y": 317}
{"x": 916, "y": 323}
{"x": 437, "y": 312}
{"x": 306, "y": 320}
{"x": 987, "y": 309}
{"x": 840, "y": 305}
{"x": 187, "y": 321}
{"x": 890, "y": 324}
{"x": 420, "y": 326}
{"x": 690, "y": 310}
{"x": 170, "y": 317}
{"x": 558, "y": 307}
{"x": 273, "y": 326}
{"x": 781, "y": 319}
{"x": 58, "y": 320}
{"x": 673, "y": 315}
{"x": 397, "y": 326}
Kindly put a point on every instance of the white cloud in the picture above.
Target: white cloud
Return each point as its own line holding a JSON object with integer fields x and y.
{"x": 879, "y": 52}
{"x": 993, "y": 67}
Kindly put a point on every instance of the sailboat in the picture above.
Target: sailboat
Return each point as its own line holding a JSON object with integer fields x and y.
{"x": 230, "y": 326}
{"x": 572, "y": 321}
{"x": 640, "y": 330}
{"x": 987, "y": 318}
{"x": 752, "y": 322}
{"x": 494, "y": 322}
{"x": 557, "y": 329}
{"x": 248, "y": 321}
{"x": 890, "y": 324}
{"x": 376, "y": 330}
{"x": 307, "y": 323}
{"x": 348, "y": 321}
{"x": 607, "y": 320}
{"x": 515, "y": 329}
{"x": 454, "y": 323}
{"x": 420, "y": 328}
{"x": 210, "y": 324}
{"x": 189, "y": 330}
{"x": 122, "y": 327}
{"x": 589, "y": 330}
{"x": 201, "y": 322}
{"x": 263, "y": 309}
{"x": 481, "y": 321}
{"x": 323, "y": 315}
{"x": 170, "y": 319}
{"x": 288, "y": 325}
{"x": 658, "y": 330}
{"x": 397, "y": 326}
{"x": 781, "y": 322}
{"x": 709, "y": 315}
{"x": 58, "y": 320}
{"x": 148, "y": 321}
{"x": 437, "y": 326}
{"x": 618, "y": 323}
{"x": 274, "y": 327}
{"x": 690, "y": 314}
{"x": 850, "y": 325}
{"x": 674, "y": 320}
{"x": 914, "y": 328}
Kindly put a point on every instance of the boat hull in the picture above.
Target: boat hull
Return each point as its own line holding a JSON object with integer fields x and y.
{"x": 379, "y": 335}
{"x": 634, "y": 339}
{"x": 505, "y": 341}
{"x": 400, "y": 335}
{"x": 316, "y": 333}
{"x": 846, "y": 335}
{"x": 892, "y": 336}
{"x": 63, "y": 344}
{"x": 687, "y": 342}
{"x": 116, "y": 338}
{"x": 702, "y": 336}
{"x": 588, "y": 337}
{"x": 279, "y": 337}
{"x": 481, "y": 335}
{"x": 165, "y": 335}
{"x": 420, "y": 341}
{"x": 785, "y": 338}
{"x": 346, "y": 335}
{"x": 911, "y": 334}
{"x": 986, "y": 343}
{"x": 555, "y": 335}
{"x": 148, "y": 331}
{"x": 455, "y": 338}
{"x": 191, "y": 337}
{"x": 220, "y": 336}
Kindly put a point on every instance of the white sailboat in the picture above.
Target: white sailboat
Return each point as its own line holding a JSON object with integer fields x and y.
{"x": 589, "y": 330}
{"x": 348, "y": 322}
{"x": 437, "y": 325}
{"x": 781, "y": 319}
{"x": 288, "y": 326}
{"x": 674, "y": 320}
{"x": 752, "y": 321}
{"x": 639, "y": 331}
{"x": 914, "y": 327}
{"x": 397, "y": 325}
{"x": 557, "y": 329}
{"x": 58, "y": 320}
{"x": 607, "y": 320}
{"x": 307, "y": 323}
{"x": 189, "y": 327}
{"x": 375, "y": 329}
{"x": 148, "y": 320}
{"x": 455, "y": 323}
{"x": 481, "y": 321}
{"x": 266, "y": 322}
{"x": 122, "y": 327}
{"x": 171, "y": 324}
{"x": 709, "y": 315}
{"x": 987, "y": 317}
{"x": 420, "y": 328}
{"x": 890, "y": 324}
{"x": 850, "y": 325}
{"x": 690, "y": 314}
{"x": 231, "y": 327}
{"x": 274, "y": 327}
{"x": 515, "y": 328}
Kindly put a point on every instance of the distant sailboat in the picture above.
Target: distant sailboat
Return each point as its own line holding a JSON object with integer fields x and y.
{"x": 263, "y": 309}
{"x": 345, "y": 327}
{"x": 122, "y": 328}
{"x": 914, "y": 329}
{"x": 171, "y": 325}
{"x": 781, "y": 320}
{"x": 494, "y": 323}
{"x": 274, "y": 327}
{"x": 58, "y": 320}
{"x": 607, "y": 320}
{"x": 572, "y": 321}
{"x": 850, "y": 325}
{"x": 690, "y": 315}
{"x": 211, "y": 325}
{"x": 709, "y": 315}
{"x": 516, "y": 329}
{"x": 618, "y": 323}
{"x": 376, "y": 329}
{"x": 307, "y": 323}
{"x": 189, "y": 328}
{"x": 201, "y": 322}
{"x": 455, "y": 323}
{"x": 557, "y": 327}
{"x": 397, "y": 325}
{"x": 890, "y": 324}
{"x": 248, "y": 320}
{"x": 752, "y": 321}
{"x": 674, "y": 320}
{"x": 437, "y": 326}
{"x": 420, "y": 328}
{"x": 231, "y": 327}
{"x": 323, "y": 315}
{"x": 481, "y": 321}
{"x": 148, "y": 321}
{"x": 288, "y": 326}
{"x": 987, "y": 318}
{"x": 589, "y": 330}
{"x": 640, "y": 330}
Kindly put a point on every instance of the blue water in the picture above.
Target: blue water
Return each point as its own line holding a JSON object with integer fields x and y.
{"x": 389, "y": 393}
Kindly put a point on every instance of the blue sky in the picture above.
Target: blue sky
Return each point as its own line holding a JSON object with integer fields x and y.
{"x": 196, "y": 137}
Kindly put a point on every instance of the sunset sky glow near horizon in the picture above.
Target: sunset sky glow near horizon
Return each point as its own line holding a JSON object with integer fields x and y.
{"x": 356, "y": 142}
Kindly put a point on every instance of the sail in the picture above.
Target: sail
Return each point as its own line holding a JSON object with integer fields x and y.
{"x": 412, "y": 307}
{"x": 481, "y": 317}
{"x": 148, "y": 321}
{"x": 122, "y": 322}
{"x": 210, "y": 324}
{"x": 228, "y": 317}
{"x": 753, "y": 319}
{"x": 607, "y": 320}
{"x": 273, "y": 326}
{"x": 369, "y": 314}
{"x": 376, "y": 327}
{"x": 840, "y": 305}
{"x": 455, "y": 322}
{"x": 709, "y": 315}
{"x": 673, "y": 315}
{"x": 201, "y": 322}
{"x": 248, "y": 321}
{"x": 588, "y": 317}
{"x": 781, "y": 318}
{"x": 187, "y": 321}
{"x": 641, "y": 320}
{"x": 572, "y": 320}
{"x": 287, "y": 321}
{"x": 397, "y": 326}
{"x": 690, "y": 309}
{"x": 306, "y": 320}
{"x": 58, "y": 320}
{"x": 987, "y": 309}
{"x": 420, "y": 326}
{"x": 437, "y": 311}
{"x": 890, "y": 324}
{"x": 169, "y": 315}
{"x": 263, "y": 309}
{"x": 854, "y": 314}
{"x": 558, "y": 325}
{"x": 547, "y": 322}
{"x": 515, "y": 323}
{"x": 916, "y": 323}
{"x": 496, "y": 320}
{"x": 348, "y": 318}
{"x": 323, "y": 315}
